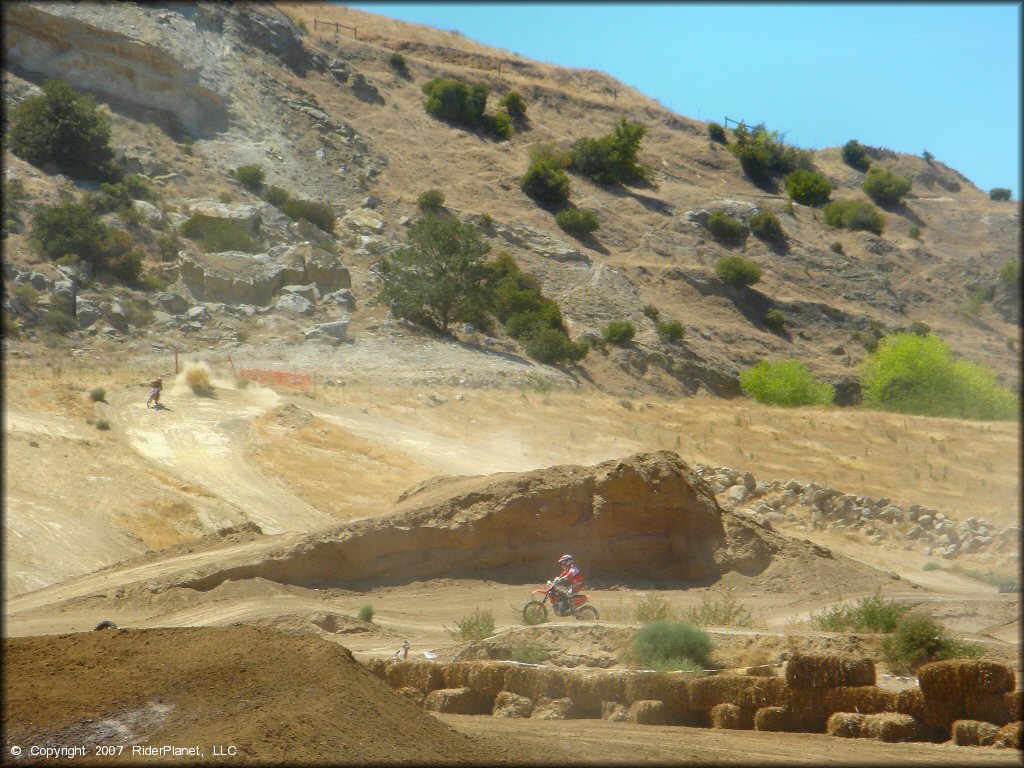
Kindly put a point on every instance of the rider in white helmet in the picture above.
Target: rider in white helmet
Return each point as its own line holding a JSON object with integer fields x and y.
{"x": 570, "y": 581}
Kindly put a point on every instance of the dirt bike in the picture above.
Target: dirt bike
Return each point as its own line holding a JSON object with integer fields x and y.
{"x": 536, "y": 611}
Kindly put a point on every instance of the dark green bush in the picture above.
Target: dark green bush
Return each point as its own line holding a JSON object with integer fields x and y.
{"x": 765, "y": 225}
{"x": 545, "y": 183}
{"x": 499, "y": 125}
{"x": 250, "y": 176}
{"x": 717, "y": 133}
{"x": 432, "y": 200}
{"x": 787, "y": 382}
{"x": 725, "y": 227}
{"x": 618, "y": 332}
{"x": 914, "y": 231}
{"x": 762, "y": 153}
{"x": 65, "y": 129}
{"x": 854, "y": 214}
{"x": 552, "y": 346}
{"x": 398, "y": 63}
{"x": 737, "y": 271}
{"x": 69, "y": 227}
{"x": 514, "y": 103}
{"x": 58, "y": 321}
{"x": 836, "y": 247}
{"x": 668, "y": 645}
{"x": 885, "y": 187}
{"x": 808, "y": 188}
{"x": 919, "y": 639}
{"x": 578, "y": 222}
{"x": 999, "y": 193}
{"x": 321, "y": 215}
{"x": 611, "y": 159}
{"x": 651, "y": 311}
{"x": 1009, "y": 273}
{"x": 919, "y": 328}
{"x": 276, "y": 196}
{"x": 874, "y": 614}
{"x": 670, "y": 331}
{"x": 775, "y": 319}
{"x": 917, "y": 374}
{"x": 219, "y": 235}
{"x": 856, "y": 156}
{"x": 453, "y": 102}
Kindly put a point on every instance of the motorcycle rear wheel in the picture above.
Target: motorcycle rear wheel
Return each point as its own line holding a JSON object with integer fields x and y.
{"x": 586, "y": 613}
{"x": 535, "y": 612}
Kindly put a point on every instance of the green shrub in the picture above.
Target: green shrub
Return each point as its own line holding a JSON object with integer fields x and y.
{"x": 775, "y": 319}
{"x": 250, "y": 176}
{"x": 618, "y": 332}
{"x": 915, "y": 374}
{"x": 651, "y": 608}
{"x": 167, "y": 246}
{"x": 460, "y": 104}
{"x": 762, "y": 154}
{"x": 836, "y": 247}
{"x": 651, "y": 311}
{"x": 432, "y": 200}
{"x": 216, "y": 235}
{"x": 479, "y": 626}
{"x": 919, "y": 328}
{"x": 26, "y": 294}
{"x": 1000, "y": 194}
{"x": 670, "y": 331}
{"x": 737, "y": 271}
{"x": 303, "y": 28}
{"x": 611, "y": 159}
{"x": 514, "y": 103}
{"x": 854, "y": 214}
{"x": 57, "y": 321}
{"x": 671, "y": 645}
{"x": 398, "y": 63}
{"x": 717, "y": 133}
{"x": 869, "y": 614}
{"x": 914, "y": 231}
{"x": 931, "y": 565}
{"x": 578, "y": 222}
{"x": 545, "y": 183}
{"x": 808, "y": 188}
{"x": 928, "y": 156}
{"x": 65, "y": 129}
{"x": 320, "y": 215}
{"x": 98, "y": 394}
{"x": 366, "y": 613}
{"x": 102, "y": 424}
{"x": 276, "y": 196}
{"x": 13, "y": 197}
{"x": 499, "y": 125}
{"x": 856, "y": 156}
{"x": 1009, "y": 273}
{"x": 725, "y": 227}
{"x": 553, "y": 347}
{"x": 726, "y": 612}
{"x": 765, "y": 225}
{"x": 885, "y": 187}
{"x": 919, "y": 639}
{"x": 10, "y": 328}
{"x": 787, "y": 382}
{"x": 529, "y": 653}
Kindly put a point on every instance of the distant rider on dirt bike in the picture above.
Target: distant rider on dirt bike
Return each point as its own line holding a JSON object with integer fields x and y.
{"x": 154, "y": 392}
{"x": 569, "y": 582}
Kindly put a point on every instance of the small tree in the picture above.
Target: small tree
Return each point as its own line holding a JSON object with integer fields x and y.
{"x": 250, "y": 176}
{"x": 611, "y": 159}
{"x": 765, "y": 225}
{"x": 725, "y": 227}
{"x": 1000, "y": 194}
{"x": 737, "y": 271}
{"x": 618, "y": 332}
{"x": 884, "y": 186}
{"x": 545, "y": 180}
{"x": 552, "y": 346}
{"x": 854, "y": 214}
{"x": 787, "y": 382}
{"x": 578, "y": 222}
{"x": 515, "y": 104}
{"x": 808, "y": 188}
{"x": 66, "y": 129}
{"x": 671, "y": 330}
{"x": 717, "y": 133}
{"x": 856, "y": 156}
{"x": 398, "y": 63}
{"x": 431, "y": 201}
{"x": 439, "y": 276}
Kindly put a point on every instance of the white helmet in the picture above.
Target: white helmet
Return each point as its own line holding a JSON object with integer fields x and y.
{"x": 564, "y": 559}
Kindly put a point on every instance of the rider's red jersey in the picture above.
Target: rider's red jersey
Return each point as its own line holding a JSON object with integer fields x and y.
{"x": 572, "y": 573}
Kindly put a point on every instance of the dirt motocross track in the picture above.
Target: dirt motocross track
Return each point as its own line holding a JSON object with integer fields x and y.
{"x": 233, "y": 632}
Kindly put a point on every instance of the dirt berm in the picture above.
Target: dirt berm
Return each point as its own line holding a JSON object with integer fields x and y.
{"x": 647, "y": 518}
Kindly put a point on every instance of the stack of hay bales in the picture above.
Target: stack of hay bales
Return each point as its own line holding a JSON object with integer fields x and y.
{"x": 647, "y": 712}
{"x": 457, "y": 701}
{"x": 946, "y": 687}
{"x": 974, "y": 733}
{"x": 818, "y": 684}
{"x": 884, "y": 726}
{"x": 746, "y": 694}
{"x": 732, "y": 717}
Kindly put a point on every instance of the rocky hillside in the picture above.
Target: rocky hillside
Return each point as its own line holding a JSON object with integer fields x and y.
{"x": 194, "y": 91}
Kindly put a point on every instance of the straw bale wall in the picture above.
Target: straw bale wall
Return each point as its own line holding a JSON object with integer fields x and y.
{"x": 973, "y": 733}
{"x": 831, "y": 671}
{"x": 958, "y": 678}
{"x": 756, "y": 692}
{"x": 884, "y": 726}
{"x": 846, "y": 725}
{"x": 732, "y": 717}
{"x": 647, "y": 712}
{"x": 771, "y": 719}
{"x": 456, "y": 701}
{"x": 998, "y": 708}
{"x": 865, "y": 699}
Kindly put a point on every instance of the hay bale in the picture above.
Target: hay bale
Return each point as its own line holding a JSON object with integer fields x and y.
{"x": 485, "y": 677}
{"x": 756, "y": 692}
{"x": 932, "y": 712}
{"x": 1010, "y": 736}
{"x": 613, "y": 711}
{"x": 973, "y": 733}
{"x": 732, "y": 717}
{"x": 771, "y": 719}
{"x": 412, "y": 695}
{"x": 589, "y": 691}
{"x": 647, "y": 712}
{"x": 456, "y": 701}
{"x": 552, "y": 709}
{"x": 672, "y": 689}
{"x": 427, "y": 676}
{"x": 957, "y": 678}
{"x": 890, "y": 727}
{"x": 846, "y": 725}
{"x": 865, "y": 699}
{"x": 810, "y": 671}
{"x": 997, "y": 708}
{"x": 511, "y": 705}
{"x": 535, "y": 682}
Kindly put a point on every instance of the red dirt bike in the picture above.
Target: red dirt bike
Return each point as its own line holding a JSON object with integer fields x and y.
{"x": 536, "y": 611}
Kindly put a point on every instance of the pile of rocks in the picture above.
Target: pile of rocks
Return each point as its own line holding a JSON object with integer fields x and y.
{"x": 809, "y": 507}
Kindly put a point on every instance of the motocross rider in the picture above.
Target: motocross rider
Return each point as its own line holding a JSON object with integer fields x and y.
{"x": 569, "y": 582}
{"x": 155, "y": 387}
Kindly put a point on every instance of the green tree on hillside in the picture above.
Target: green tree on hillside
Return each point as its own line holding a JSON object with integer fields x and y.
{"x": 611, "y": 159}
{"x": 439, "y": 277}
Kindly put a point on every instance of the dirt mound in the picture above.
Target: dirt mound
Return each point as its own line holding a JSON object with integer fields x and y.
{"x": 645, "y": 518}
{"x": 272, "y": 696}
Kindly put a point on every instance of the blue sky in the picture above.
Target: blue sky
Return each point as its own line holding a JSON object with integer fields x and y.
{"x": 911, "y": 77}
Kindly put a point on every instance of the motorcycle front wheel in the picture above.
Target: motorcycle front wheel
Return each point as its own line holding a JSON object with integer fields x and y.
{"x": 586, "y": 613}
{"x": 535, "y": 612}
